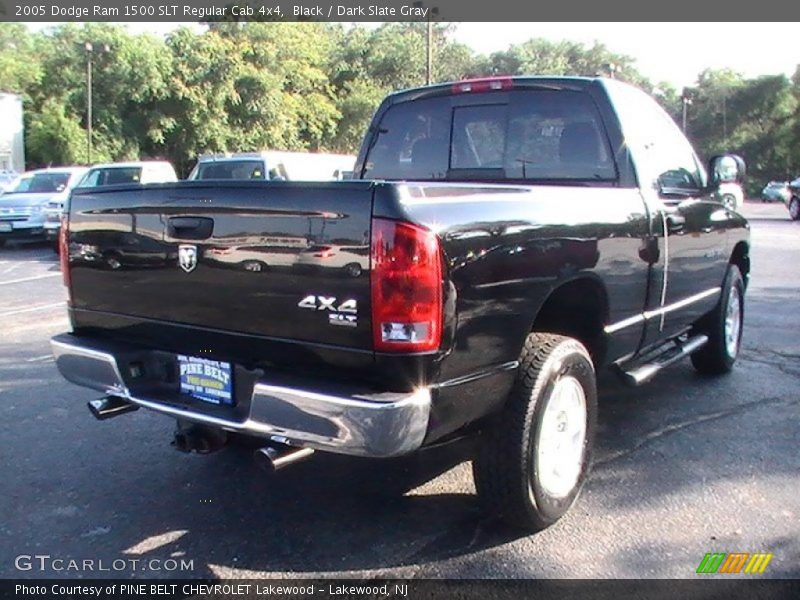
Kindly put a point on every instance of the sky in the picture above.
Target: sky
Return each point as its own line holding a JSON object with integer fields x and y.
{"x": 671, "y": 52}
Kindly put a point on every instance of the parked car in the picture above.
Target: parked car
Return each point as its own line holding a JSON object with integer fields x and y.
{"x": 793, "y": 202}
{"x": 143, "y": 172}
{"x": 512, "y": 236}
{"x": 26, "y": 210}
{"x": 274, "y": 165}
{"x": 776, "y": 191}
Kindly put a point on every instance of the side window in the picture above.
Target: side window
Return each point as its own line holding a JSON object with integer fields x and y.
{"x": 664, "y": 157}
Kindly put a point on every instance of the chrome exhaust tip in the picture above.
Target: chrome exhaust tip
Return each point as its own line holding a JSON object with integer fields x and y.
{"x": 272, "y": 459}
{"x": 109, "y": 407}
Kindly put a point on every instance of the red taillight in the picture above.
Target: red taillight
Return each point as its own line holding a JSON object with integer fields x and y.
{"x": 406, "y": 287}
{"x": 63, "y": 249}
{"x": 488, "y": 84}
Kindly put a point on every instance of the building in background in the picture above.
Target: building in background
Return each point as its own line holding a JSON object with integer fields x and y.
{"x": 12, "y": 148}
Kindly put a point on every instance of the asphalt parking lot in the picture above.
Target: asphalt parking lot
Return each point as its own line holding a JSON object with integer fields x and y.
{"x": 683, "y": 466}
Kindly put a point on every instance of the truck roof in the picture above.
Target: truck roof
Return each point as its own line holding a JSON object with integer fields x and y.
{"x": 500, "y": 83}
{"x": 70, "y": 170}
{"x": 129, "y": 164}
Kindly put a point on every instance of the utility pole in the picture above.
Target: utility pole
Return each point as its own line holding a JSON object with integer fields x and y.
{"x": 88, "y": 103}
{"x": 686, "y": 100}
{"x": 429, "y": 69}
{"x": 432, "y": 12}
{"x": 724, "y": 121}
{"x": 90, "y": 49}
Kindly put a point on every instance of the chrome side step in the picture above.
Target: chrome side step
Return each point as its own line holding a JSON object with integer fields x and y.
{"x": 675, "y": 351}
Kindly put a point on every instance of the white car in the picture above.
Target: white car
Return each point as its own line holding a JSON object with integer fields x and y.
{"x": 274, "y": 165}
{"x": 31, "y": 210}
{"x": 148, "y": 171}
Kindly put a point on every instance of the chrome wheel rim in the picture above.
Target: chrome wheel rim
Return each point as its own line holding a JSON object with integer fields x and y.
{"x": 733, "y": 323}
{"x": 562, "y": 433}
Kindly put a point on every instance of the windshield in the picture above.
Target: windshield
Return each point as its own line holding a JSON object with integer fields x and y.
{"x": 111, "y": 176}
{"x": 42, "y": 183}
{"x": 230, "y": 169}
{"x": 521, "y": 135}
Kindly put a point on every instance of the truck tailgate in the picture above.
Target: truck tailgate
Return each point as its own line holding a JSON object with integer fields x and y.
{"x": 283, "y": 260}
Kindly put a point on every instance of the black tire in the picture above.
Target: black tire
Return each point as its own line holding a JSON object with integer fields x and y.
{"x": 718, "y": 356}
{"x": 794, "y": 208}
{"x": 506, "y": 470}
{"x": 352, "y": 270}
{"x": 2, "y": 243}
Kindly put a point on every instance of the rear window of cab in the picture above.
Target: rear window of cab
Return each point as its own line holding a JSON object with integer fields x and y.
{"x": 519, "y": 135}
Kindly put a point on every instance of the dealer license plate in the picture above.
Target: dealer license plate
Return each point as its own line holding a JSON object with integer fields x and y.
{"x": 207, "y": 380}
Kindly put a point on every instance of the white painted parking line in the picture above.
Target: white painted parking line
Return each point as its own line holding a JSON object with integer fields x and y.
{"x": 11, "y": 268}
{"x": 31, "y": 309}
{"x": 42, "y": 358}
{"x": 24, "y": 279}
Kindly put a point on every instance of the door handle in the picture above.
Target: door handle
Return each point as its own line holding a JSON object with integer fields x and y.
{"x": 190, "y": 228}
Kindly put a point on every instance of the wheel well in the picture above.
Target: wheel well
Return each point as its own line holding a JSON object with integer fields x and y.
{"x": 578, "y": 309}
{"x": 741, "y": 258}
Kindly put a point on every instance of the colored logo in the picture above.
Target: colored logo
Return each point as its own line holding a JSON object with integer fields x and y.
{"x": 734, "y": 562}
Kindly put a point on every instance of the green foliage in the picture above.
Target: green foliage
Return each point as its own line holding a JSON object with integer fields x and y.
{"x": 756, "y": 118}
{"x": 55, "y": 138}
{"x": 19, "y": 68}
{"x": 315, "y": 86}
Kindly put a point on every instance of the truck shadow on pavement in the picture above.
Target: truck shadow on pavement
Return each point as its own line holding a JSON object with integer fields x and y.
{"x": 654, "y": 444}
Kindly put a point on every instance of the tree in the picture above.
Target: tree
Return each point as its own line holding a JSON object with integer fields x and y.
{"x": 55, "y": 138}
{"x": 19, "y": 64}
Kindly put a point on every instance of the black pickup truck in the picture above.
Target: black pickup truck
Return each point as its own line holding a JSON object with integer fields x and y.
{"x": 504, "y": 240}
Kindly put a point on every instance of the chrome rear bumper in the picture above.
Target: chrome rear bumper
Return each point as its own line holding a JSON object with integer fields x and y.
{"x": 362, "y": 424}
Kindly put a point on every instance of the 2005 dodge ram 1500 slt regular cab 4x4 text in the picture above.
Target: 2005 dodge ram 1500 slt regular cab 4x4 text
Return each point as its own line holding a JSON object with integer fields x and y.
{"x": 505, "y": 239}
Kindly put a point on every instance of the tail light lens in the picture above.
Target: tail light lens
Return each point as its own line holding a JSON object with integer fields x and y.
{"x": 63, "y": 249}
{"x": 406, "y": 287}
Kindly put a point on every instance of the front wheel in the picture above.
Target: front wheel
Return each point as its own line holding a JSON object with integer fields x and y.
{"x": 536, "y": 456}
{"x": 723, "y": 326}
{"x": 794, "y": 208}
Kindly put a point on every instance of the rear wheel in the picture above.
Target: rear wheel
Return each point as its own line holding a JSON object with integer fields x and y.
{"x": 535, "y": 459}
{"x": 723, "y": 327}
{"x": 794, "y": 208}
